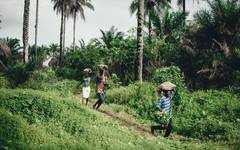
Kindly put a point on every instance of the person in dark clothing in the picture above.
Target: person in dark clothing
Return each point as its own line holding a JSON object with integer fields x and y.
{"x": 100, "y": 91}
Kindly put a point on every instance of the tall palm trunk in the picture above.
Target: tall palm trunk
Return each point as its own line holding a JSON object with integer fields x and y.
{"x": 61, "y": 39}
{"x": 149, "y": 27}
{"x": 64, "y": 32}
{"x": 25, "y": 30}
{"x": 36, "y": 28}
{"x": 139, "y": 60}
{"x": 184, "y": 6}
{"x": 74, "y": 30}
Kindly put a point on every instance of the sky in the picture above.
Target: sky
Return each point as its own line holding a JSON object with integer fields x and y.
{"x": 107, "y": 13}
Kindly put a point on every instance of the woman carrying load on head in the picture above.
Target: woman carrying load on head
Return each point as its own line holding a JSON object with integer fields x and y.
{"x": 86, "y": 85}
{"x": 100, "y": 86}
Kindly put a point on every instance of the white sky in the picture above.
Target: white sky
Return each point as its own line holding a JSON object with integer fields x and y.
{"x": 107, "y": 13}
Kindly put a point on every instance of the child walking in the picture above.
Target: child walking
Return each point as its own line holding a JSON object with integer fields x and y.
{"x": 86, "y": 85}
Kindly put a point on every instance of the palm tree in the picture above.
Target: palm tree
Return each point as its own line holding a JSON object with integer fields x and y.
{"x": 151, "y": 7}
{"x": 14, "y": 45}
{"x": 170, "y": 26}
{"x": 62, "y": 7}
{"x": 139, "y": 60}
{"x": 218, "y": 29}
{"x": 36, "y": 28}
{"x": 108, "y": 37}
{"x": 183, "y": 4}
{"x": 76, "y": 8}
{"x": 25, "y": 30}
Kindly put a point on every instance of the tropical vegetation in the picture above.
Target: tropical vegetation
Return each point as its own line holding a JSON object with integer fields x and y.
{"x": 40, "y": 94}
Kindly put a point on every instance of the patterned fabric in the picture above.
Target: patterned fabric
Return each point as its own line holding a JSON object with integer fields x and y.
{"x": 165, "y": 105}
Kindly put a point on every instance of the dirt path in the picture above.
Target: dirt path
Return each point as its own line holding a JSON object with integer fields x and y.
{"x": 127, "y": 122}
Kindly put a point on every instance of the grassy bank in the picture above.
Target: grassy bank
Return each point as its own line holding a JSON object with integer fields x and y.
{"x": 32, "y": 119}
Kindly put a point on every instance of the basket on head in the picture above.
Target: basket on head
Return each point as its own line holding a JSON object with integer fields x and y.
{"x": 167, "y": 86}
{"x": 102, "y": 66}
{"x": 87, "y": 71}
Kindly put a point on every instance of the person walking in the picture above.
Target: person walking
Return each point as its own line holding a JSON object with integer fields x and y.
{"x": 100, "y": 88}
{"x": 166, "y": 91}
{"x": 86, "y": 85}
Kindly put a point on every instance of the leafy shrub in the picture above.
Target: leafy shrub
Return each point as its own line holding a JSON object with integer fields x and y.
{"x": 29, "y": 106}
{"x": 172, "y": 74}
{"x": 47, "y": 80}
{"x": 4, "y": 83}
{"x": 17, "y": 74}
{"x": 67, "y": 73}
{"x": 139, "y": 96}
{"x": 11, "y": 132}
{"x": 237, "y": 78}
{"x": 209, "y": 114}
{"x": 15, "y": 133}
{"x": 113, "y": 81}
{"x": 39, "y": 78}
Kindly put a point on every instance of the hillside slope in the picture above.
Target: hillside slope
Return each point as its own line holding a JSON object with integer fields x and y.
{"x": 32, "y": 119}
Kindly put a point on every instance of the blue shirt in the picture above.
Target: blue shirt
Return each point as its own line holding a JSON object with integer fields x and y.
{"x": 165, "y": 105}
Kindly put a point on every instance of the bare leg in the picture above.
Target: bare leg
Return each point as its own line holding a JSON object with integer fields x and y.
{"x": 82, "y": 100}
{"x": 86, "y": 101}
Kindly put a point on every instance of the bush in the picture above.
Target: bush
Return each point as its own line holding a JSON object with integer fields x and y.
{"x": 4, "y": 83}
{"x": 209, "y": 114}
{"x": 47, "y": 80}
{"x": 39, "y": 78}
{"x": 68, "y": 73}
{"x": 11, "y": 132}
{"x": 141, "y": 97}
{"x": 15, "y": 133}
{"x": 172, "y": 74}
{"x": 17, "y": 74}
{"x": 113, "y": 81}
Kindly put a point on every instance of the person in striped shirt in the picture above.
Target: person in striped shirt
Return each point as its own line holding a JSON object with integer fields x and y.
{"x": 165, "y": 107}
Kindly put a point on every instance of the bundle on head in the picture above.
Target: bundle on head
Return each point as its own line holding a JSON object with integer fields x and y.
{"x": 87, "y": 71}
{"x": 102, "y": 66}
{"x": 167, "y": 86}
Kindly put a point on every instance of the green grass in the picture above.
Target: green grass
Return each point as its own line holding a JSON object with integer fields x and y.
{"x": 32, "y": 119}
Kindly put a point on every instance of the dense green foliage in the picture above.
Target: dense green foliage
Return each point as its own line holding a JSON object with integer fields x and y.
{"x": 172, "y": 74}
{"x": 49, "y": 81}
{"x": 4, "y": 83}
{"x": 210, "y": 45}
{"x": 44, "y": 113}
